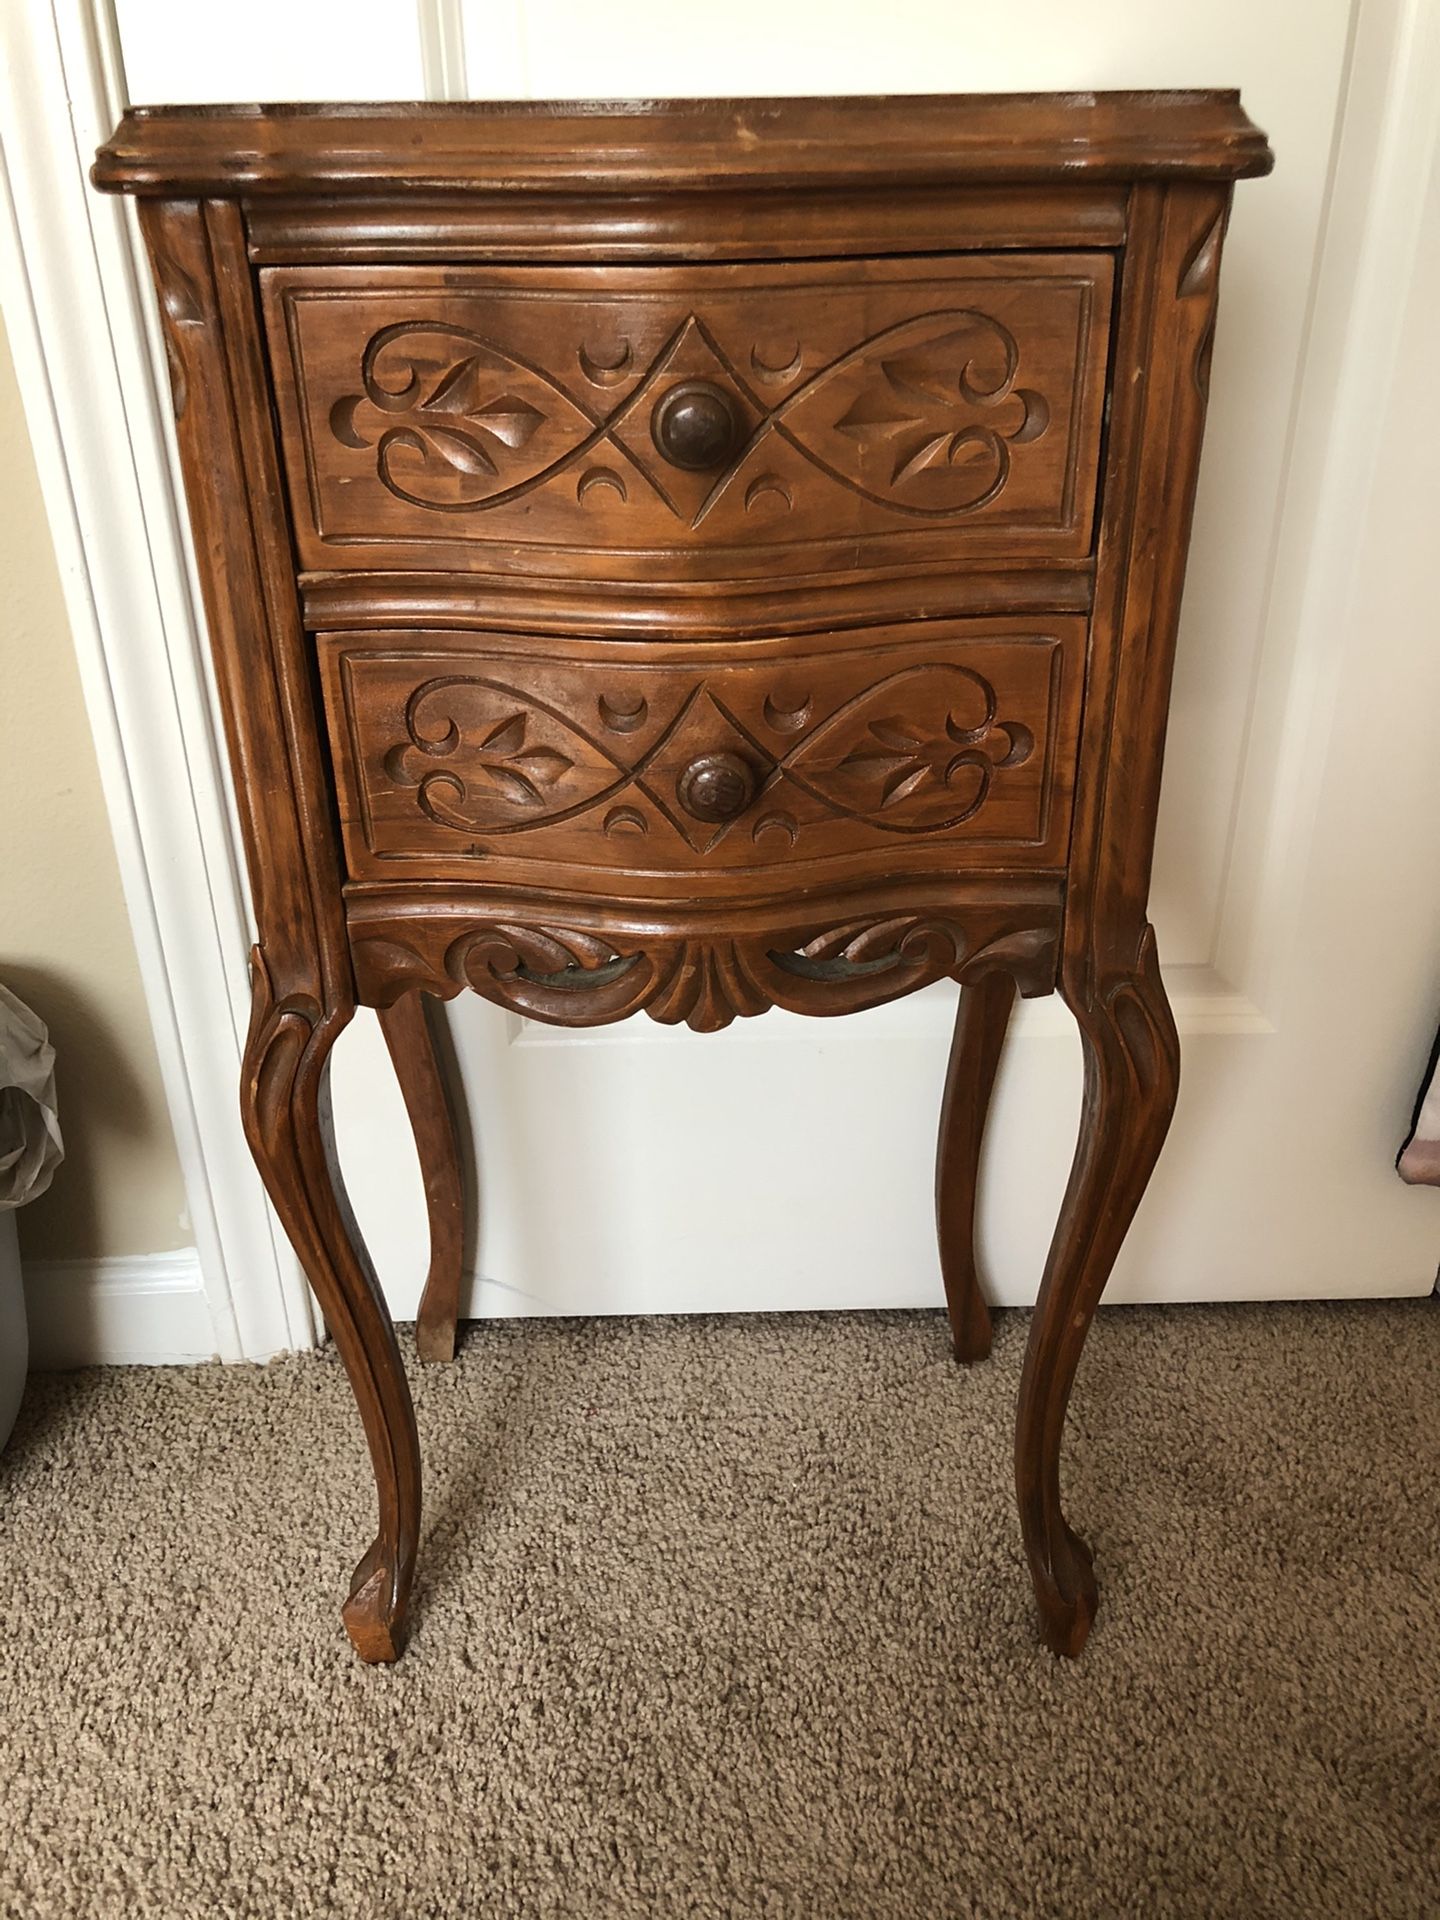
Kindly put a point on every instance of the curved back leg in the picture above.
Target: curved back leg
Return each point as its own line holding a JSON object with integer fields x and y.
{"x": 981, "y": 1022}
{"x": 1132, "y": 1073}
{"x": 411, "y": 1040}
{"x": 285, "y": 1103}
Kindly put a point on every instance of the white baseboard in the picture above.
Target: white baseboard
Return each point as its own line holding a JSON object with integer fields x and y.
{"x": 142, "y": 1310}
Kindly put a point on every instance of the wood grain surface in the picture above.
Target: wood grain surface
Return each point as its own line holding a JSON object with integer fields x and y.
{"x": 692, "y": 558}
{"x": 880, "y": 411}
{"x": 493, "y": 756}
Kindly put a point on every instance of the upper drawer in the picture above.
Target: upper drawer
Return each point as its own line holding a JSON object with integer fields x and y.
{"x": 692, "y": 422}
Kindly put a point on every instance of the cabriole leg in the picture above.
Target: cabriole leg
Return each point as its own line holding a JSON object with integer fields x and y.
{"x": 285, "y": 1103}
{"x": 408, "y": 1034}
{"x": 980, "y": 1026}
{"x": 1132, "y": 1071}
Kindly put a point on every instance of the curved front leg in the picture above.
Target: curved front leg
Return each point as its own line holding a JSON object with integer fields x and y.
{"x": 1132, "y": 1072}
{"x": 981, "y": 1021}
{"x": 408, "y": 1035}
{"x": 285, "y": 1102}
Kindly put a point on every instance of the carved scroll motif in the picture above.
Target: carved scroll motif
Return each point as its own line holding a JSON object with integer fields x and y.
{"x": 575, "y": 977}
{"x": 917, "y": 752}
{"x": 921, "y": 417}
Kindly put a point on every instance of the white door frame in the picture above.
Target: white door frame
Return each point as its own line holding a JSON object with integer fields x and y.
{"x": 78, "y": 308}
{"x": 83, "y": 332}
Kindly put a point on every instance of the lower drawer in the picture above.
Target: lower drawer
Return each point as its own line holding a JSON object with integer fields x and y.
{"x": 744, "y": 767}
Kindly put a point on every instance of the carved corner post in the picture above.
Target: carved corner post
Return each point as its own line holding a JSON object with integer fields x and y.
{"x": 303, "y": 995}
{"x": 1110, "y": 975}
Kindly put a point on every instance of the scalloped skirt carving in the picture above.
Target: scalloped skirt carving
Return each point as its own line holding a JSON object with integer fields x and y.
{"x": 583, "y": 966}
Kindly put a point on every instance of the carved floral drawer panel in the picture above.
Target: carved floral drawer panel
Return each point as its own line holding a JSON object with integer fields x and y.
{"x": 692, "y": 419}
{"x": 490, "y": 756}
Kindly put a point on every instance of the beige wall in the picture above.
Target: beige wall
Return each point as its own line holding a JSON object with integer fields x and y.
{"x": 65, "y": 942}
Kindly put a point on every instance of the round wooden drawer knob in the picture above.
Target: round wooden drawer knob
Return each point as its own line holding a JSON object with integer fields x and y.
{"x": 717, "y": 786}
{"x": 696, "y": 425}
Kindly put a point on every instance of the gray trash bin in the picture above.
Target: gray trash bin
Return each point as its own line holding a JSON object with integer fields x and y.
{"x": 30, "y": 1151}
{"x": 14, "y": 1339}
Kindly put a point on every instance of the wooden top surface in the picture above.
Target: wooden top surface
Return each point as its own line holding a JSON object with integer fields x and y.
{"x": 600, "y": 146}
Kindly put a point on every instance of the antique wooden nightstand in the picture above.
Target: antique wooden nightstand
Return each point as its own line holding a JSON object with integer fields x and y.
{"x": 695, "y": 557}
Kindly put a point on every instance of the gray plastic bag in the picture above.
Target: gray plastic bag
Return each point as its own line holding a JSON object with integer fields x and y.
{"x": 30, "y": 1151}
{"x": 30, "y": 1143}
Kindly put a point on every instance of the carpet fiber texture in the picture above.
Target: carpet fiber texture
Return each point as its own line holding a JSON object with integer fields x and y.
{"x": 729, "y": 1618}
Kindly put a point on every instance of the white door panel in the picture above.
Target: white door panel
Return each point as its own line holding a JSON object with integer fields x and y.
{"x": 177, "y": 53}
{"x": 788, "y": 1163}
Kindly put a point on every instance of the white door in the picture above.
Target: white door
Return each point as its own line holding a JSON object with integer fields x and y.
{"x": 788, "y": 1163}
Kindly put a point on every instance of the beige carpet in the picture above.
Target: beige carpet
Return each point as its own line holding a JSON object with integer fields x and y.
{"x": 728, "y": 1618}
